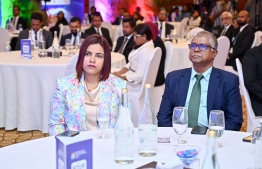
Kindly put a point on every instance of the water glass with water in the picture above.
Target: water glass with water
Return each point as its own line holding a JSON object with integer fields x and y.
{"x": 180, "y": 122}
{"x": 103, "y": 117}
{"x": 8, "y": 47}
{"x": 217, "y": 123}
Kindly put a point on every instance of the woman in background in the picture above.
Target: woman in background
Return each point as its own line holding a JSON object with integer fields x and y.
{"x": 73, "y": 105}
{"x": 160, "y": 78}
{"x": 134, "y": 70}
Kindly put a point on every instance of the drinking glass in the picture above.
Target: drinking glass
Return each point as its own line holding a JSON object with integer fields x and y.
{"x": 103, "y": 117}
{"x": 217, "y": 123}
{"x": 180, "y": 122}
{"x": 68, "y": 46}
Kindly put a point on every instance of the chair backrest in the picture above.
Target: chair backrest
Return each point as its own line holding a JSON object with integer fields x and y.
{"x": 71, "y": 65}
{"x": 185, "y": 21}
{"x": 194, "y": 31}
{"x": 223, "y": 48}
{"x": 66, "y": 29}
{"x": 4, "y": 34}
{"x": 61, "y": 27}
{"x": 169, "y": 54}
{"x": 257, "y": 41}
{"x": 108, "y": 25}
{"x": 250, "y": 112}
{"x": 151, "y": 70}
{"x": 46, "y": 28}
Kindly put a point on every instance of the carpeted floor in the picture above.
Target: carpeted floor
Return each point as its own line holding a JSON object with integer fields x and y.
{"x": 9, "y": 137}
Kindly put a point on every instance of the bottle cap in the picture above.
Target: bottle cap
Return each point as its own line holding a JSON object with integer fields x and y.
{"x": 124, "y": 90}
{"x": 211, "y": 133}
{"x": 147, "y": 85}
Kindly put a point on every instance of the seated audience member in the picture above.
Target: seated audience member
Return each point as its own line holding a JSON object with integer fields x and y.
{"x": 97, "y": 29}
{"x": 252, "y": 71}
{"x": 124, "y": 44}
{"x": 138, "y": 58}
{"x": 174, "y": 14}
{"x": 160, "y": 78}
{"x": 137, "y": 18}
{"x": 119, "y": 29}
{"x": 75, "y": 23}
{"x": 241, "y": 41}
{"x": 184, "y": 14}
{"x": 73, "y": 105}
{"x": 202, "y": 88}
{"x": 138, "y": 10}
{"x": 164, "y": 27}
{"x": 61, "y": 18}
{"x": 36, "y": 24}
{"x": 194, "y": 21}
{"x": 228, "y": 28}
{"x": 234, "y": 23}
{"x": 119, "y": 19}
{"x": 93, "y": 11}
{"x": 16, "y": 20}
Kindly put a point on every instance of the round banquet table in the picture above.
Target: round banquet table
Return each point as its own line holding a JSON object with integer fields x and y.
{"x": 41, "y": 153}
{"x": 26, "y": 88}
{"x": 180, "y": 56}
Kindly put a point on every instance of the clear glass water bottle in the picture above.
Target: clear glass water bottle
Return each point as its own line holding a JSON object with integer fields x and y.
{"x": 55, "y": 47}
{"x": 78, "y": 38}
{"x": 124, "y": 133}
{"x": 210, "y": 160}
{"x": 8, "y": 47}
{"x": 147, "y": 127}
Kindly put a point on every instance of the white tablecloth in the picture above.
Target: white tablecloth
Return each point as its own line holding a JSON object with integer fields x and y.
{"x": 180, "y": 56}
{"x": 41, "y": 153}
{"x": 26, "y": 88}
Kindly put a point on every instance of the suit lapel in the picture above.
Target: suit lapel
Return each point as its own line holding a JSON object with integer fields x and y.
{"x": 183, "y": 87}
{"x": 212, "y": 88}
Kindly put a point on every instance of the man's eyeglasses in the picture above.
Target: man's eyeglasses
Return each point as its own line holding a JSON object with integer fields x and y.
{"x": 201, "y": 47}
{"x": 226, "y": 18}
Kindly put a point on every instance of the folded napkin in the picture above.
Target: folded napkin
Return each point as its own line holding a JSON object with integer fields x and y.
{"x": 174, "y": 163}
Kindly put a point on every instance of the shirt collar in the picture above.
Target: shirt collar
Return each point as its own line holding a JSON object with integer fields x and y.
{"x": 206, "y": 74}
{"x": 241, "y": 29}
{"x": 128, "y": 37}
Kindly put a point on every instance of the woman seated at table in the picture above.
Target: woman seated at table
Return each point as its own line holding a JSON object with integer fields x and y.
{"x": 73, "y": 105}
{"x": 134, "y": 70}
{"x": 194, "y": 21}
{"x": 160, "y": 78}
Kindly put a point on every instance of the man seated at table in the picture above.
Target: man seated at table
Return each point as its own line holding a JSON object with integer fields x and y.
{"x": 252, "y": 71}
{"x": 97, "y": 29}
{"x": 16, "y": 20}
{"x": 36, "y": 24}
{"x": 164, "y": 27}
{"x": 242, "y": 39}
{"x": 125, "y": 43}
{"x": 75, "y": 23}
{"x": 202, "y": 88}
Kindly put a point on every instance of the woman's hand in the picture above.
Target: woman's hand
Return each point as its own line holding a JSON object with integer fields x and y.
{"x": 118, "y": 74}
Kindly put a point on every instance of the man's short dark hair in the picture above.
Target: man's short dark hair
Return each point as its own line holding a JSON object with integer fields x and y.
{"x": 16, "y": 6}
{"x": 98, "y": 14}
{"x": 36, "y": 16}
{"x": 131, "y": 21}
{"x": 75, "y": 19}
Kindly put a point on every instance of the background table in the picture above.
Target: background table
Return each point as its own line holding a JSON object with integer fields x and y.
{"x": 26, "y": 88}
{"x": 41, "y": 153}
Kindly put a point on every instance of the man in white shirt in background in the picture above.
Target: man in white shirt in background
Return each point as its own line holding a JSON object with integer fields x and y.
{"x": 75, "y": 23}
{"x": 228, "y": 28}
{"x": 36, "y": 24}
{"x": 220, "y": 7}
{"x": 16, "y": 20}
{"x": 163, "y": 27}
